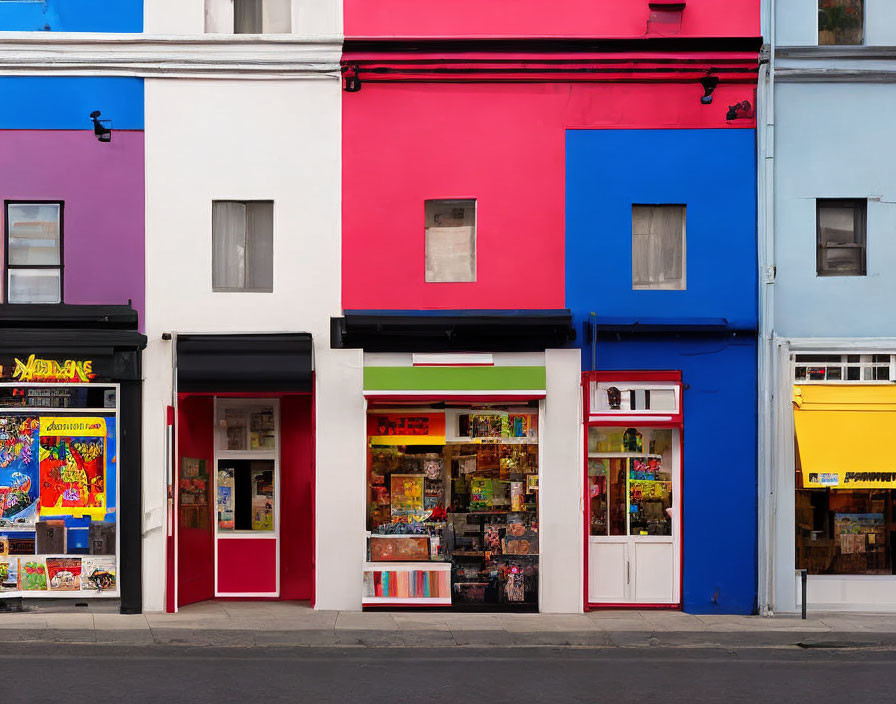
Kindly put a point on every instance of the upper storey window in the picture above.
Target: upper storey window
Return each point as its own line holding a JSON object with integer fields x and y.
{"x": 33, "y": 252}
{"x": 658, "y": 247}
{"x": 248, "y": 16}
{"x": 841, "y": 22}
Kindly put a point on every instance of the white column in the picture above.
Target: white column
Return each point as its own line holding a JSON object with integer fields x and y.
{"x": 341, "y": 479}
{"x": 560, "y": 486}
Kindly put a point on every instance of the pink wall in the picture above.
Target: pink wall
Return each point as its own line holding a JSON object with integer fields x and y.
{"x": 581, "y": 18}
{"x": 502, "y": 144}
{"x": 102, "y": 187}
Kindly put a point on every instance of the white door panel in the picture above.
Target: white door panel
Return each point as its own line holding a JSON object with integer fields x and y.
{"x": 653, "y": 568}
{"x": 607, "y": 572}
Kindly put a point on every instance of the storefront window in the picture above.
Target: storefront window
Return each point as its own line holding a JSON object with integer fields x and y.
{"x": 58, "y": 489}
{"x": 630, "y": 481}
{"x": 456, "y": 488}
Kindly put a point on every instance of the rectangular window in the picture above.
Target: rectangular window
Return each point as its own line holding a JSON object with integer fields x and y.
{"x": 840, "y": 232}
{"x": 450, "y": 240}
{"x": 262, "y": 16}
{"x": 33, "y": 252}
{"x": 243, "y": 245}
{"x": 841, "y": 22}
{"x": 658, "y": 247}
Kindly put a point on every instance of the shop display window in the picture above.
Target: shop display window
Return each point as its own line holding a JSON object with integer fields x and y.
{"x": 245, "y": 479}
{"x": 630, "y": 481}
{"x": 58, "y": 490}
{"x": 457, "y": 487}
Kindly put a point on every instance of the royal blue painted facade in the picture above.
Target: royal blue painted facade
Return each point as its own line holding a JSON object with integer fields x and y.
{"x": 707, "y": 331}
{"x": 71, "y": 16}
{"x": 65, "y": 103}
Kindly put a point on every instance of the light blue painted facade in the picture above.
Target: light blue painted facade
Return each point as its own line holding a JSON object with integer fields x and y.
{"x": 834, "y": 141}
{"x": 825, "y": 131}
{"x": 71, "y": 16}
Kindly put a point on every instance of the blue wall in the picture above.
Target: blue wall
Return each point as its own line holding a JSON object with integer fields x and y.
{"x": 719, "y": 471}
{"x": 71, "y": 15}
{"x": 63, "y": 103}
{"x": 711, "y": 171}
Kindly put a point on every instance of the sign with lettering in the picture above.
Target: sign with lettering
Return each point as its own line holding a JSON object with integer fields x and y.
{"x": 426, "y": 428}
{"x": 849, "y": 480}
{"x": 33, "y": 369}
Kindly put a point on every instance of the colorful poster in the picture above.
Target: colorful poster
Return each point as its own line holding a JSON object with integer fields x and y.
{"x": 426, "y": 428}
{"x": 97, "y": 573}
{"x": 32, "y": 575}
{"x": 225, "y": 499}
{"x": 9, "y": 574}
{"x": 263, "y": 499}
{"x": 407, "y": 498}
{"x": 19, "y": 496}
{"x": 73, "y": 467}
{"x": 481, "y": 494}
{"x": 64, "y": 574}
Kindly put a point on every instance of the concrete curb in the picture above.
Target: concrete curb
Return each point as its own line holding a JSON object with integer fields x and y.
{"x": 349, "y": 638}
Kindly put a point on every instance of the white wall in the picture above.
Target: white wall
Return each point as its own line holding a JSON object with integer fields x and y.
{"x": 222, "y": 139}
{"x": 561, "y": 485}
{"x": 309, "y": 17}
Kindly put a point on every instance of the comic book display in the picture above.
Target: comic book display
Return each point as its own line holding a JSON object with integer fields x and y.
{"x": 458, "y": 491}
{"x": 57, "y": 503}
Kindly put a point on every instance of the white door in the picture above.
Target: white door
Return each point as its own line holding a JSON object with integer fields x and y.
{"x": 633, "y": 495}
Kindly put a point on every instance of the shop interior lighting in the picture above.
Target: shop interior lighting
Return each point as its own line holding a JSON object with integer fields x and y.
{"x": 101, "y": 128}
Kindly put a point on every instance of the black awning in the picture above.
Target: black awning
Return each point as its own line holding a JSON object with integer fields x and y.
{"x": 41, "y": 337}
{"x": 244, "y": 363}
{"x": 453, "y": 331}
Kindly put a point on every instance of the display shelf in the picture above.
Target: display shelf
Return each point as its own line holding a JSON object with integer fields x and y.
{"x": 650, "y": 481}
{"x": 405, "y": 601}
{"x": 492, "y": 441}
{"x": 621, "y": 455}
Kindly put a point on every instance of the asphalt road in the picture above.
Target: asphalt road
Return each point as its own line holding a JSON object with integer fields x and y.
{"x": 71, "y": 674}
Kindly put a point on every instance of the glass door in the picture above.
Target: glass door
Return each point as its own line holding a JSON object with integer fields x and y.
{"x": 247, "y": 497}
{"x": 634, "y": 536}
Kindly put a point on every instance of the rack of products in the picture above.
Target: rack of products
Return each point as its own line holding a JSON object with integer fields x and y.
{"x": 464, "y": 506}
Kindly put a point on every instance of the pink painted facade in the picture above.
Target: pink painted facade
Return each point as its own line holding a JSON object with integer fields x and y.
{"x": 102, "y": 188}
{"x": 469, "y": 117}
{"x": 541, "y": 18}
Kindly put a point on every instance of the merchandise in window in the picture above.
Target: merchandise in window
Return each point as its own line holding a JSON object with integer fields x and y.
{"x": 58, "y": 491}
{"x": 454, "y": 495}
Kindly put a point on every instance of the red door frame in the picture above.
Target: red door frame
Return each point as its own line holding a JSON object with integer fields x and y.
{"x": 677, "y": 422}
{"x": 172, "y": 494}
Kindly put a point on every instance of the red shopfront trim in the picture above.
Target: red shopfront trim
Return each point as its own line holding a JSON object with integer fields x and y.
{"x": 608, "y": 421}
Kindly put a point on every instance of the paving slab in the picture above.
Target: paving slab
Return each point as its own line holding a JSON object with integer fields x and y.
{"x": 367, "y": 621}
{"x": 120, "y": 622}
{"x": 421, "y": 622}
{"x": 473, "y": 622}
{"x": 531, "y": 623}
{"x": 14, "y": 620}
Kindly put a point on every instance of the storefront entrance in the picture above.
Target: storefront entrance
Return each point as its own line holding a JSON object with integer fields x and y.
{"x": 452, "y": 511}
{"x": 633, "y": 489}
{"x": 243, "y": 483}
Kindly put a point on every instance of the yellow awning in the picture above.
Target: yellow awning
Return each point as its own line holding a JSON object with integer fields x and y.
{"x": 846, "y": 435}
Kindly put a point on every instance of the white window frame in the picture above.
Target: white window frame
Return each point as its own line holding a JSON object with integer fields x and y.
{"x": 866, "y": 364}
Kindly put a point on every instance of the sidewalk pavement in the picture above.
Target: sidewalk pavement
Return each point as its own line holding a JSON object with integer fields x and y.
{"x": 249, "y": 624}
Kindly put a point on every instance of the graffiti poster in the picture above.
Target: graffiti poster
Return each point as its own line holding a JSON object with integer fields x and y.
{"x": 19, "y": 497}
{"x": 97, "y": 573}
{"x": 73, "y": 467}
{"x": 64, "y": 574}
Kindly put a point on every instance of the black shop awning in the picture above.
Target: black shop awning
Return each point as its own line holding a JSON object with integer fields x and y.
{"x": 244, "y": 363}
{"x": 449, "y": 331}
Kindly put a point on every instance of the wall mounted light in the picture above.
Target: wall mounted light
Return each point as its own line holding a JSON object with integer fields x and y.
{"x": 101, "y": 128}
{"x": 709, "y": 84}
{"x": 352, "y": 80}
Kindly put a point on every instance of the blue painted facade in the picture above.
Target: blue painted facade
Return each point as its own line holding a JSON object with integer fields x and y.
{"x": 709, "y": 329}
{"x": 65, "y": 103}
{"x": 71, "y": 16}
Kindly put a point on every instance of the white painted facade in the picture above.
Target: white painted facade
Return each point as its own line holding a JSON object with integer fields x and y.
{"x": 220, "y": 133}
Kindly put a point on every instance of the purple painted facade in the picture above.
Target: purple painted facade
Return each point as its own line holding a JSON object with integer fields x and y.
{"x": 102, "y": 186}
